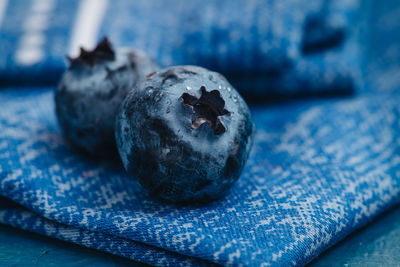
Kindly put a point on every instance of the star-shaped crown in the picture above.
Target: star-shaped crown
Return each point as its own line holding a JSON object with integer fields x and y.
{"x": 102, "y": 52}
{"x": 207, "y": 109}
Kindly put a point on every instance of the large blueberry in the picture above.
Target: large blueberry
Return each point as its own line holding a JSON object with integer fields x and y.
{"x": 92, "y": 90}
{"x": 185, "y": 134}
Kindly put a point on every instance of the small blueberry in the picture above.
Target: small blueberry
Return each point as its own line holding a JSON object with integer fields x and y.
{"x": 185, "y": 134}
{"x": 91, "y": 91}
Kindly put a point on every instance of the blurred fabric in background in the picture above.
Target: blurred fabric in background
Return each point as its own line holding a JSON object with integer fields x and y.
{"x": 266, "y": 48}
{"x": 320, "y": 168}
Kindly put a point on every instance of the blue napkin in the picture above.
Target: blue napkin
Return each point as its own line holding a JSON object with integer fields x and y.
{"x": 319, "y": 169}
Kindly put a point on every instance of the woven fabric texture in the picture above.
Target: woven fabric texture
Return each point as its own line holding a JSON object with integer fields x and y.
{"x": 319, "y": 169}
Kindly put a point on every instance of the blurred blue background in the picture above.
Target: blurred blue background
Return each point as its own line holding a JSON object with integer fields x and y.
{"x": 268, "y": 49}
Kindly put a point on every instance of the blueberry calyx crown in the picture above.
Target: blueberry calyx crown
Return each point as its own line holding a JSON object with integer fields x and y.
{"x": 102, "y": 52}
{"x": 207, "y": 109}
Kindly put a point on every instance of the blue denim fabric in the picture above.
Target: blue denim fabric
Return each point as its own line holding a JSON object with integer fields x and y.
{"x": 319, "y": 168}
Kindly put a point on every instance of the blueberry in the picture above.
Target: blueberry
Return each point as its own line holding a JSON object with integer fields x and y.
{"x": 184, "y": 134}
{"x": 91, "y": 92}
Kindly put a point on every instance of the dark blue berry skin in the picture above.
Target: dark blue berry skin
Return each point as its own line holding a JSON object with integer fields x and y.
{"x": 91, "y": 92}
{"x": 185, "y": 134}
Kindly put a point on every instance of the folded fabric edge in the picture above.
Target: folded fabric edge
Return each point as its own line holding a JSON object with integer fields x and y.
{"x": 369, "y": 210}
{"x": 26, "y": 218}
{"x": 22, "y": 218}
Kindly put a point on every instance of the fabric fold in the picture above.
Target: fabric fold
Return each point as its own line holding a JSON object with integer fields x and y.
{"x": 319, "y": 169}
{"x": 20, "y": 217}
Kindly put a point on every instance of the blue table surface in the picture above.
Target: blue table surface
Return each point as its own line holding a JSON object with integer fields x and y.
{"x": 377, "y": 244}
{"x": 21, "y": 248}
